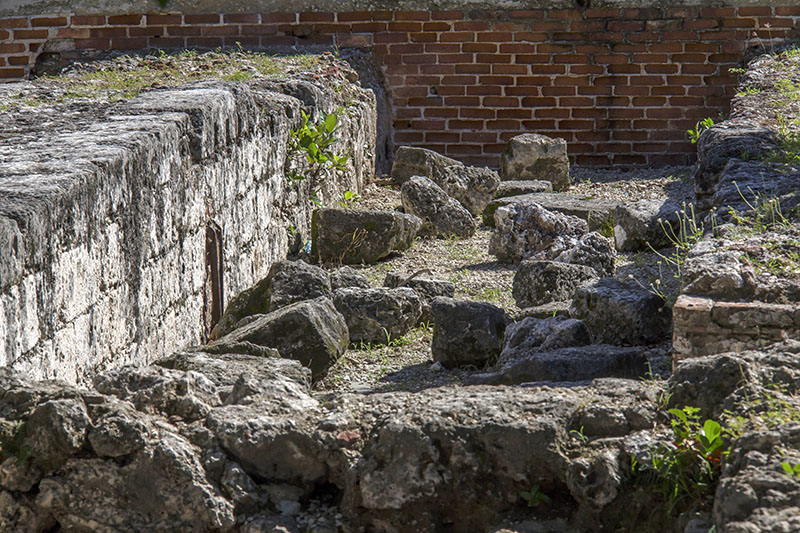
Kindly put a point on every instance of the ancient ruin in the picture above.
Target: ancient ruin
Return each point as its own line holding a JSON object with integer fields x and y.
{"x": 379, "y": 286}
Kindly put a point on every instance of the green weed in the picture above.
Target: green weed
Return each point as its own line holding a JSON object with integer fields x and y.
{"x": 535, "y": 497}
{"x": 699, "y": 128}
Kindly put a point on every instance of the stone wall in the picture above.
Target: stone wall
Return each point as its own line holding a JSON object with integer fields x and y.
{"x": 620, "y": 81}
{"x": 106, "y": 210}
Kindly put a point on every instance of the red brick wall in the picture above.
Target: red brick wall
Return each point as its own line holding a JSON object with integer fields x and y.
{"x": 621, "y": 85}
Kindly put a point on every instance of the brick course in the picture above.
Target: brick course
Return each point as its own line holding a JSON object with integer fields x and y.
{"x": 620, "y": 85}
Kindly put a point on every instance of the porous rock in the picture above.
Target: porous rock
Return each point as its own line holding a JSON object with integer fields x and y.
{"x": 55, "y": 431}
{"x": 592, "y": 250}
{"x": 360, "y": 236}
{"x": 378, "y": 315}
{"x": 466, "y": 333}
{"x": 347, "y": 276}
{"x": 540, "y": 282}
{"x": 441, "y": 215}
{"x": 644, "y": 222}
{"x": 532, "y": 335}
{"x": 412, "y": 161}
{"x": 597, "y": 212}
{"x": 519, "y": 187}
{"x": 426, "y": 287}
{"x": 522, "y": 229}
{"x": 536, "y": 157}
{"x": 312, "y": 332}
{"x": 621, "y": 314}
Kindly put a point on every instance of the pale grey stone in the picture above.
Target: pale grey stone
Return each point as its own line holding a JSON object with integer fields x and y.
{"x": 466, "y": 333}
{"x": 378, "y": 315}
{"x": 536, "y": 157}
{"x": 540, "y": 282}
{"x": 441, "y": 215}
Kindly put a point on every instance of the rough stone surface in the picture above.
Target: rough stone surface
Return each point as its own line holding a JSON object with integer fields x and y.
{"x": 541, "y": 282}
{"x": 104, "y": 209}
{"x": 353, "y": 236}
{"x": 722, "y": 143}
{"x": 639, "y": 223}
{"x": 287, "y": 282}
{"x": 531, "y": 335}
{"x": 426, "y": 287}
{"x": 536, "y": 157}
{"x": 597, "y": 212}
{"x": 55, "y": 431}
{"x": 441, "y": 215}
{"x": 570, "y": 365}
{"x": 751, "y": 182}
{"x": 378, "y": 315}
{"x": 312, "y": 332}
{"x": 348, "y": 277}
{"x": 592, "y": 250}
{"x": 522, "y": 229}
{"x": 621, "y": 314}
{"x": 517, "y": 188}
{"x": 411, "y": 161}
{"x": 546, "y": 310}
{"x": 466, "y": 333}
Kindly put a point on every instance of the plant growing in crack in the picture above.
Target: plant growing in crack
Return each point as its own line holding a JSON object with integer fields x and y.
{"x": 313, "y": 142}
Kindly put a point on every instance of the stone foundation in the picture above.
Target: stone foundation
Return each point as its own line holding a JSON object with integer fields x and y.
{"x": 114, "y": 215}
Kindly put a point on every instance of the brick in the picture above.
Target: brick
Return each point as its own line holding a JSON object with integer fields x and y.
{"x": 506, "y": 124}
{"x": 533, "y": 58}
{"x": 720, "y": 80}
{"x": 649, "y": 101}
{"x": 473, "y": 69}
{"x": 446, "y": 15}
{"x": 653, "y": 37}
{"x": 701, "y": 47}
{"x": 419, "y": 59}
{"x": 428, "y": 124}
{"x": 407, "y": 48}
{"x": 776, "y": 22}
{"x": 390, "y": 38}
{"x": 661, "y": 69}
{"x": 465, "y": 124}
{"x": 214, "y": 42}
{"x": 724, "y": 58}
{"x": 553, "y": 112}
{"x": 600, "y": 90}
{"x": 205, "y": 19}
{"x": 739, "y": 23}
{"x": 324, "y": 27}
{"x": 408, "y": 137}
{"x": 587, "y": 25}
{"x": 87, "y": 44}
{"x": 412, "y": 15}
{"x": 498, "y": 68}
{"x": 479, "y": 136}
{"x": 494, "y": 37}
{"x": 586, "y": 69}
{"x": 593, "y": 136}
{"x": 514, "y": 113}
{"x": 571, "y": 58}
{"x": 548, "y": 25}
{"x": 613, "y": 101}
{"x": 593, "y": 160}
{"x": 472, "y": 25}
{"x": 626, "y": 25}
{"x": 500, "y": 101}
{"x": 626, "y": 159}
{"x": 167, "y": 42}
{"x": 153, "y": 19}
{"x": 441, "y": 112}
{"x": 508, "y": 26}
{"x": 650, "y": 58}
{"x": 51, "y": 21}
{"x": 539, "y": 101}
{"x": 125, "y": 20}
{"x": 717, "y": 35}
{"x": 382, "y": 15}
{"x": 626, "y": 48}
{"x": 463, "y": 100}
{"x": 715, "y": 12}
{"x": 87, "y": 20}
{"x": 575, "y": 101}
{"x": 363, "y": 27}
{"x": 496, "y": 80}
{"x": 104, "y": 33}
{"x": 316, "y": 17}
{"x": 128, "y": 43}
{"x": 423, "y": 37}
{"x": 624, "y": 69}
{"x": 698, "y": 69}
{"x": 479, "y": 47}
{"x": 612, "y": 147}
{"x": 534, "y": 80}
{"x": 701, "y": 24}
{"x": 458, "y": 80}
{"x": 558, "y": 91}
{"x": 436, "y": 26}
{"x": 18, "y": 60}
{"x": 663, "y": 25}
{"x": 258, "y": 29}
{"x": 453, "y": 58}
{"x": 642, "y": 13}
{"x": 548, "y": 69}
{"x": 146, "y": 31}
{"x": 183, "y": 31}
{"x": 405, "y": 26}
{"x": 530, "y": 36}
{"x": 689, "y": 58}
{"x": 539, "y": 125}
{"x": 219, "y": 31}
{"x": 611, "y": 59}
{"x": 787, "y": 10}
{"x": 442, "y": 137}
{"x": 354, "y": 16}
{"x": 470, "y": 112}
{"x": 650, "y": 147}
{"x": 553, "y": 48}
{"x": 493, "y": 58}
{"x": 575, "y": 124}
{"x": 30, "y": 34}
{"x": 632, "y": 90}
{"x": 666, "y": 47}
{"x": 12, "y": 73}
{"x": 457, "y": 37}
{"x": 437, "y": 69}
{"x": 623, "y": 112}
{"x": 647, "y": 80}
{"x": 515, "y": 48}
{"x": 569, "y": 36}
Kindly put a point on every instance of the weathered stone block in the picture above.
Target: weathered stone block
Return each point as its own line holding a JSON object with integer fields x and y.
{"x": 536, "y": 157}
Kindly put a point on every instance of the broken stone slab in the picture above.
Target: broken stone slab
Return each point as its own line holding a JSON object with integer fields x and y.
{"x": 531, "y": 335}
{"x": 358, "y": 236}
{"x": 441, "y": 215}
{"x": 312, "y": 332}
{"x": 473, "y": 187}
{"x": 644, "y": 222}
{"x": 520, "y": 187}
{"x": 287, "y": 282}
{"x": 546, "y": 310}
{"x": 347, "y": 276}
{"x": 573, "y": 364}
{"x": 536, "y": 157}
{"x": 378, "y": 315}
{"x": 592, "y": 250}
{"x": 55, "y": 431}
{"x": 541, "y": 282}
{"x": 426, "y": 287}
{"x": 621, "y": 314}
{"x": 742, "y": 185}
{"x": 466, "y": 333}
{"x": 525, "y": 228}
{"x": 597, "y": 212}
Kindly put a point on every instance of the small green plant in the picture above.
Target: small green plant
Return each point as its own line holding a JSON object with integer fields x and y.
{"x": 238, "y": 76}
{"x": 737, "y": 70}
{"x": 791, "y": 471}
{"x": 765, "y": 212}
{"x": 349, "y": 200}
{"x": 578, "y": 434}
{"x": 746, "y": 91}
{"x": 535, "y": 497}
{"x": 314, "y": 141}
{"x": 699, "y": 128}
{"x": 686, "y": 470}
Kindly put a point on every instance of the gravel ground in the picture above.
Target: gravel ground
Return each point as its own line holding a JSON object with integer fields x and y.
{"x": 406, "y": 364}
